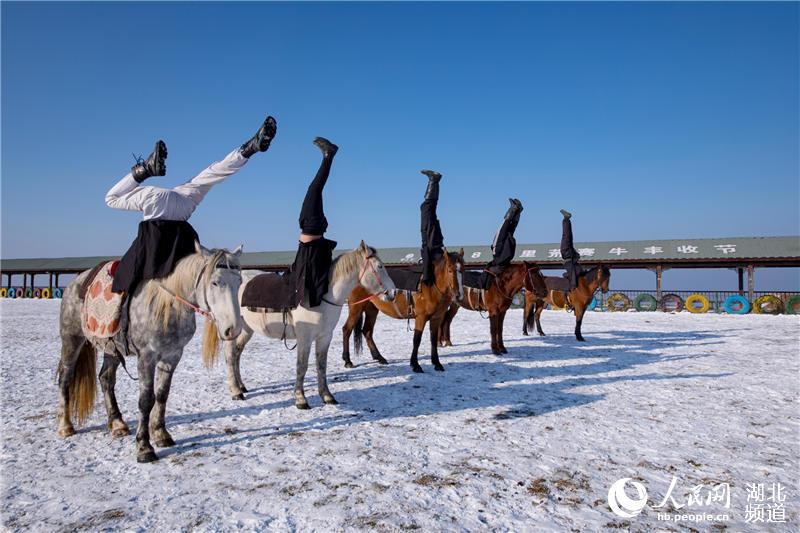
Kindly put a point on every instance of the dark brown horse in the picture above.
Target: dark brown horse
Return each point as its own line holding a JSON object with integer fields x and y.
{"x": 578, "y": 298}
{"x": 496, "y": 300}
{"x": 428, "y": 305}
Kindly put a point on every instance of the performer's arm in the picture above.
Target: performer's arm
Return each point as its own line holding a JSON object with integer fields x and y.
{"x": 197, "y": 188}
{"x": 128, "y": 195}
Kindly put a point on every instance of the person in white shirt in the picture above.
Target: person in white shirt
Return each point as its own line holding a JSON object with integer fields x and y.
{"x": 165, "y": 235}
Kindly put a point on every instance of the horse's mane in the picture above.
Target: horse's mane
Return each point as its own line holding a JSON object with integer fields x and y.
{"x": 591, "y": 274}
{"x": 347, "y": 263}
{"x": 181, "y": 282}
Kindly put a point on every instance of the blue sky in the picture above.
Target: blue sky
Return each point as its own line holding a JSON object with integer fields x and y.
{"x": 646, "y": 120}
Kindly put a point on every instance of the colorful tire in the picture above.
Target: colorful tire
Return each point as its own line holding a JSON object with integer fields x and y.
{"x": 793, "y": 305}
{"x": 28, "y": 293}
{"x": 592, "y": 305}
{"x": 671, "y": 303}
{"x": 46, "y": 293}
{"x": 618, "y": 302}
{"x": 20, "y": 292}
{"x": 735, "y": 299}
{"x": 645, "y": 302}
{"x": 37, "y": 293}
{"x": 691, "y": 304}
{"x": 768, "y": 305}
{"x": 58, "y": 293}
{"x": 3, "y": 292}
{"x": 12, "y": 292}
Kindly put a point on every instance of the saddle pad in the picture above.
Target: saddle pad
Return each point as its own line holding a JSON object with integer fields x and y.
{"x": 102, "y": 307}
{"x": 405, "y": 278}
{"x": 476, "y": 279}
{"x": 557, "y": 283}
{"x": 271, "y": 291}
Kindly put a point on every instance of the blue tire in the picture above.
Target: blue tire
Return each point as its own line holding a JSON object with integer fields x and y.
{"x": 733, "y": 300}
{"x": 592, "y": 304}
{"x": 12, "y": 292}
{"x": 57, "y": 293}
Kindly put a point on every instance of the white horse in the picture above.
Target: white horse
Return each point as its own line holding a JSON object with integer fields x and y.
{"x": 306, "y": 325}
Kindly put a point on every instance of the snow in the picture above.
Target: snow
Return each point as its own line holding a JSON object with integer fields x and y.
{"x": 529, "y": 441}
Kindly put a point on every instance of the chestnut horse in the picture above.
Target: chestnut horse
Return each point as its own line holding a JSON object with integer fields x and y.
{"x": 428, "y": 305}
{"x": 496, "y": 300}
{"x": 578, "y": 298}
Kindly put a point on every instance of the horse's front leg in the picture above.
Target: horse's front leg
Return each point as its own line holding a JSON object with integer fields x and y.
{"x": 233, "y": 354}
{"x": 526, "y": 313}
{"x": 322, "y": 346}
{"x": 147, "y": 369}
{"x": 433, "y": 329}
{"x": 493, "y": 333}
{"x": 578, "y": 321}
{"x": 370, "y": 316}
{"x": 303, "y": 350}
{"x": 537, "y": 317}
{"x": 501, "y": 318}
{"x": 108, "y": 381}
{"x": 350, "y": 324}
{"x": 163, "y": 381}
{"x": 419, "y": 326}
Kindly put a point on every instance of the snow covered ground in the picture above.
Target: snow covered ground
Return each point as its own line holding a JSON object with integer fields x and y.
{"x": 527, "y": 442}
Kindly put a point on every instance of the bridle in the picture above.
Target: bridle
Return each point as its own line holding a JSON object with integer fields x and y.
{"x": 361, "y": 274}
{"x": 205, "y": 310}
{"x": 449, "y": 280}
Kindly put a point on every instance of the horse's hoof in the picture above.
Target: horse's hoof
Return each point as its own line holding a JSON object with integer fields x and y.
{"x": 66, "y": 432}
{"x": 302, "y": 405}
{"x": 120, "y": 432}
{"x": 330, "y": 400}
{"x": 239, "y": 396}
{"x": 438, "y": 368}
{"x": 541, "y": 334}
{"x": 348, "y": 364}
{"x": 381, "y": 361}
{"x": 581, "y": 339}
{"x": 166, "y": 442}
{"x": 243, "y": 389}
{"x": 497, "y": 352}
{"x": 417, "y": 369}
{"x": 147, "y": 457}
{"x": 504, "y": 350}
{"x": 524, "y": 333}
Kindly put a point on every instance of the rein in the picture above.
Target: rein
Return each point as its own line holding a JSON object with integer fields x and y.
{"x": 206, "y": 313}
{"x": 384, "y": 290}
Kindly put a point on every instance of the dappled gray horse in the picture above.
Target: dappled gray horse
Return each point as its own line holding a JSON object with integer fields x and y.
{"x": 161, "y": 323}
{"x": 313, "y": 325}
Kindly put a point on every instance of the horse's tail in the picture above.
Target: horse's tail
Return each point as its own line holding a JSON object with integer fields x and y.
{"x": 530, "y": 317}
{"x": 83, "y": 387}
{"x": 358, "y": 334}
{"x": 210, "y": 344}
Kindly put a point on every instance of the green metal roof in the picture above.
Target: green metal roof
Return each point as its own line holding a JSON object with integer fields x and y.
{"x": 621, "y": 253}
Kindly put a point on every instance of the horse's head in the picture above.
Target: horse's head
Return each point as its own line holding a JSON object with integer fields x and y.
{"x": 534, "y": 281}
{"x": 604, "y": 275}
{"x": 217, "y": 289}
{"x": 373, "y": 276}
{"x": 454, "y": 269}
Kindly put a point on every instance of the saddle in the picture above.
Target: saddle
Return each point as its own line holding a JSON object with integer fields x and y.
{"x": 406, "y": 278}
{"x": 101, "y": 310}
{"x": 272, "y": 292}
{"x": 475, "y": 279}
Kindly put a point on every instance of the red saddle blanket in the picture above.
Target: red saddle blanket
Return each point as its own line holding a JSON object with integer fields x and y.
{"x": 102, "y": 307}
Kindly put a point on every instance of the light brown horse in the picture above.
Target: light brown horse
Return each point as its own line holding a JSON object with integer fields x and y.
{"x": 578, "y": 298}
{"x": 496, "y": 300}
{"x": 428, "y": 305}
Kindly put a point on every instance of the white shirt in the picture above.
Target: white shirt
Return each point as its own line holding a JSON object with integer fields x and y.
{"x": 172, "y": 204}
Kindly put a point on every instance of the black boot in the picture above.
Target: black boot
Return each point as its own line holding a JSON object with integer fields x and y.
{"x": 566, "y": 214}
{"x": 514, "y": 210}
{"x": 432, "y": 193}
{"x": 261, "y": 140}
{"x": 327, "y": 148}
{"x": 156, "y": 164}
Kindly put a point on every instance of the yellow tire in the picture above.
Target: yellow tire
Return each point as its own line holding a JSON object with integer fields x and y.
{"x": 618, "y": 302}
{"x": 696, "y": 303}
{"x": 3, "y": 292}
{"x": 46, "y": 293}
{"x": 768, "y": 305}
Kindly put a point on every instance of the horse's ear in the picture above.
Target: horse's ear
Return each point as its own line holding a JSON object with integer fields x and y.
{"x": 363, "y": 246}
{"x": 238, "y": 251}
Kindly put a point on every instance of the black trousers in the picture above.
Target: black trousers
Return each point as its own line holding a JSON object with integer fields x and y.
{"x": 313, "y": 260}
{"x": 569, "y": 254}
{"x": 312, "y": 214}
{"x": 432, "y": 239}
{"x": 505, "y": 246}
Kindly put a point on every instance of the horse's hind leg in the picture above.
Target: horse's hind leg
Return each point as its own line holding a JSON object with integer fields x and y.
{"x": 347, "y": 330}
{"x": 433, "y": 328}
{"x": 241, "y": 342}
{"x": 370, "y": 317}
{"x": 303, "y": 350}
{"x": 163, "y": 381}
{"x": 501, "y": 318}
{"x": 578, "y": 321}
{"x": 108, "y": 380}
{"x": 322, "y": 346}
{"x": 70, "y": 350}
{"x": 419, "y": 326}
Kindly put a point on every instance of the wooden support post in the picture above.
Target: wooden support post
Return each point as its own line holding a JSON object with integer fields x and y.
{"x": 9, "y": 281}
{"x": 750, "y": 283}
{"x": 50, "y": 283}
{"x": 24, "y": 283}
{"x": 740, "y": 273}
{"x": 57, "y": 280}
{"x": 658, "y": 282}
{"x": 33, "y": 282}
